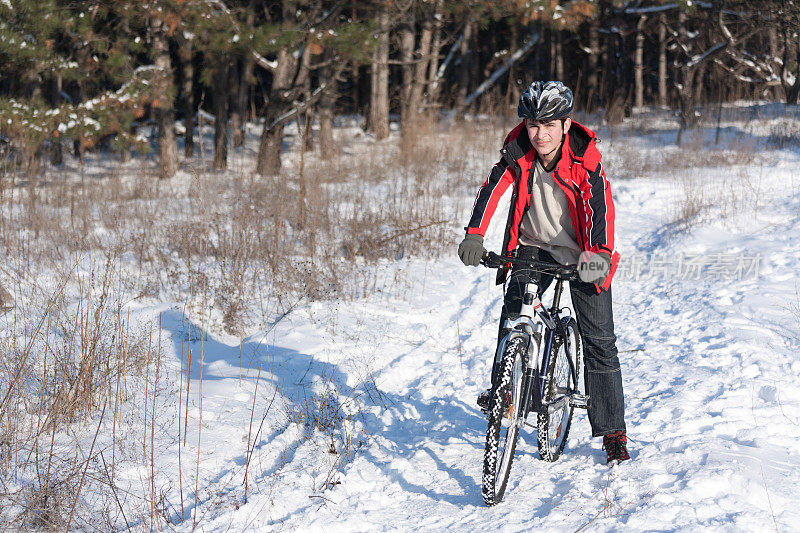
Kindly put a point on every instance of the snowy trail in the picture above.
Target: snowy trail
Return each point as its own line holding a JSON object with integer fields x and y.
{"x": 710, "y": 445}
{"x": 712, "y": 399}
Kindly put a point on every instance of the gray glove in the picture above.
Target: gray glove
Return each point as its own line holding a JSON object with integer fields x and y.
{"x": 605, "y": 270}
{"x": 594, "y": 268}
{"x": 471, "y": 250}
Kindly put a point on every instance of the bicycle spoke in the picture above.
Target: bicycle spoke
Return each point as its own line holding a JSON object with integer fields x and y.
{"x": 554, "y": 424}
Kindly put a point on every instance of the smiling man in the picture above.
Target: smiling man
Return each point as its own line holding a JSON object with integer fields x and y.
{"x": 561, "y": 211}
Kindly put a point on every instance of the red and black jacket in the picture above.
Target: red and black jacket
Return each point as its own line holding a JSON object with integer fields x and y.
{"x": 580, "y": 175}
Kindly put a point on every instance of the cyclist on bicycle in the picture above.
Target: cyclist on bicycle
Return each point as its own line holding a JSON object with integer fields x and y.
{"x": 561, "y": 211}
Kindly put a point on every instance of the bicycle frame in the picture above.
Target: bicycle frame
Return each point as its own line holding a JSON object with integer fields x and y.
{"x": 539, "y": 327}
{"x": 531, "y": 377}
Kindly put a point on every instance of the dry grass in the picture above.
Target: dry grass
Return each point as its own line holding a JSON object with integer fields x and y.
{"x": 704, "y": 147}
{"x": 784, "y": 135}
{"x": 709, "y": 196}
{"x": 83, "y": 242}
{"x": 714, "y": 180}
{"x": 69, "y": 351}
{"x": 628, "y": 163}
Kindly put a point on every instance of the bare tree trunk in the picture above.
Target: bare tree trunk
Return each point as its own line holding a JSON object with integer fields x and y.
{"x": 662, "y": 60}
{"x": 423, "y": 58}
{"x": 774, "y": 54}
{"x": 305, "y": 122}
{"x": 355, "y": 72}
{"x": 465, "y": 69}
{"x": 511, "y": 85}
{"x": 235, "y": 103}
{"x": 433, "y": 66}
{"x": 617, "y": 88}
{"x": 638, "y": 68}
{"x": 407, "y": 38}
{"x": 592, "y": 80}
{"x": 271, "y": 145}
{"x": 83, "y": 57}
{"x": 279, "y": 108}
{"x": 165, "y": 117}
{"x": 688, "y": 116}
{"x": 220, "y": 83}
{"x": 187, "y": 88}
{"x": 244, "y": 95}
{"x": 355, "y": 75}
{"x": 239, "y": 131}
{"x": 559, "y": 56}
{"x": 269, "y": 149}
{"x": 699, "y": 86}
{"x": 379, "y": 98}
{"x": 57, "y": 152}
{"x": 686, "y": 74}
{"x": 791, "y": 56}
{"x": 685, "y": 78}
{"x": 325, "y": 116}
{"x": 306, "y": 118}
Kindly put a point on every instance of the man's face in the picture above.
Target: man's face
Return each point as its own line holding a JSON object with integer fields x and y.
{"x": 545, "y": 135}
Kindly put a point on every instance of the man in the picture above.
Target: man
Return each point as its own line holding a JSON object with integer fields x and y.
{"x": 561, "y": 211}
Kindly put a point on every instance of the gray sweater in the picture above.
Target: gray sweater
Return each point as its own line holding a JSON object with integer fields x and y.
{"x": 546, "y": 223}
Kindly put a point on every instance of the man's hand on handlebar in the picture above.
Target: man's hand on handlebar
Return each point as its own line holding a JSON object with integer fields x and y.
{"x": 471, "y": 250}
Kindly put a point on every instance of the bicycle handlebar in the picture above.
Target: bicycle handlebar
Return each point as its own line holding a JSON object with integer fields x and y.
{"x": 492, "y": 260}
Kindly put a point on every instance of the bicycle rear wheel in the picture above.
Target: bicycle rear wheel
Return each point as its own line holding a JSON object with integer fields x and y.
{"x": 504, "y": 421}
{"x": 553, "y": 427}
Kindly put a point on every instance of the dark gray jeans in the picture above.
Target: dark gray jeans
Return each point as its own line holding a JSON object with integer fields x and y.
{"x": 596, "y": 325}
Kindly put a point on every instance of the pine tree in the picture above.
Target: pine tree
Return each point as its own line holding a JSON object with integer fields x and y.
{"x": 67, "y": 76}
{"x": 299, "y": 56}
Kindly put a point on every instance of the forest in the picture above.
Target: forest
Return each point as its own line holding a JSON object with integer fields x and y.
{"x": 87, "y": 75}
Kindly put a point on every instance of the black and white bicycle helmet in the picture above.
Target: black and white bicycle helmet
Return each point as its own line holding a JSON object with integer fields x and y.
{"x": 545, "y": 101}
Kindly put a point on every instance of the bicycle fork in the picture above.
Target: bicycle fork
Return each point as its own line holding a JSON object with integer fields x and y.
{"x": 535, "y": 334}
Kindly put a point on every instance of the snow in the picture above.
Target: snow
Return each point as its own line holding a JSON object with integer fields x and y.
{"x": 710, "y": 367}
{"x": 706, "y": 387}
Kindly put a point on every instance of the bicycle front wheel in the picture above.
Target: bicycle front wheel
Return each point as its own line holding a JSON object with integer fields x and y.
{"x": 560, "y": 383}
{"x": 504, "y": 421}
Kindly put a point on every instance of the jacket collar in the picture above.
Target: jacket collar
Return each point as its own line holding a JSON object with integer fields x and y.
{"x": 579, "y": 146}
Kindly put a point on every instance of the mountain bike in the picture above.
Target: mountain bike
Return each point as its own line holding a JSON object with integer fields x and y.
{"x": 538, "y": 372}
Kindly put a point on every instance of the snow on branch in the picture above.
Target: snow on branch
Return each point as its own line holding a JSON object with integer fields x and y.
{"x": 651, "y": 9}
{"x": 263, "y": 62}
{"x": 663, "y": 7}
{"x": 699, "y": 58}
{"x": 761, "y": 67}
{"x": 300, "y": 107}
{"x": 768, "y": 80}
{"x": 450, "y": 55}
{"x": 516, "y": 56}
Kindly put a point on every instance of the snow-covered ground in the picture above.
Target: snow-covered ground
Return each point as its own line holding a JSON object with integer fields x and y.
{"x": 361, "y": 416}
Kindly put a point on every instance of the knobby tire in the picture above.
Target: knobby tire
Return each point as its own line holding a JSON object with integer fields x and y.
{"x": 553, "y": 428}
{"x": 500, "y": 444}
